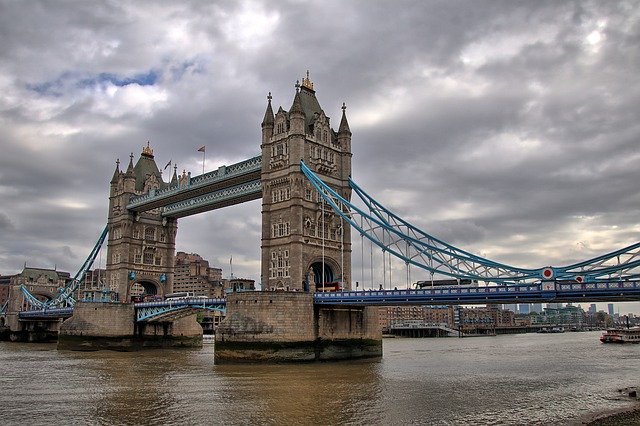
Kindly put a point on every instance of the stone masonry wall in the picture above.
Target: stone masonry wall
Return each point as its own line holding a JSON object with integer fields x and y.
{"x": 100, "y": 319}
{"x": 337, "y": 323}
{"x": 268, "y": 317}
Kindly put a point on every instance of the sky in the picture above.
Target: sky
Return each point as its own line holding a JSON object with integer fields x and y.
{"x": 509, "y": 129}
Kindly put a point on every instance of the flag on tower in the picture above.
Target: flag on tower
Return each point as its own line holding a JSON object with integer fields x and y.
{"x": 168, "y": 165}
{"x": 201, "y": 149}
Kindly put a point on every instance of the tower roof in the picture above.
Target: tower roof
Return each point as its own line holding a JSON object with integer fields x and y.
{"x": 306, "y": 102}
{"x": 116, "y": 173}
{"x": 344, "y": 124}
{"x": 268, "y": 114}
{"x": 146, "y": 166}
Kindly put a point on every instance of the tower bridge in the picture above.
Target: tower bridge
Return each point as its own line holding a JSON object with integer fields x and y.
{"x": 303, "y": 176}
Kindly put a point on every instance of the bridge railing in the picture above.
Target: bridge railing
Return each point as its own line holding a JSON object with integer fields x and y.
{"x": 46, "y": 313}
{"x": 147, "y": 311}
{"x": 214, "y": 197}
{"x": 224, "y": 172}
{"x": 189, "y": 301}
{"x": 540, "y": 292}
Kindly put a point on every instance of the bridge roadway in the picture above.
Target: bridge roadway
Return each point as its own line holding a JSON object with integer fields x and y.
{"x": 612, "y": 291}
{"x": 228, "y": 185}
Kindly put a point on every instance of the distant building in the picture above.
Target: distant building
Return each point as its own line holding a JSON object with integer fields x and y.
{"x": 42, "y": 283}
{"x": 5, "y": 285}
{"x": 194, "y": 275}
{"x": 524, "y": 308}
{"x": 536, "y": 307}
{"x": 565, "y": 316}
{"x": 510, "y": 307}
{"x": 592, "y": 308}
{"x": 610, "y": 309}
{"x": 427, "y": 314}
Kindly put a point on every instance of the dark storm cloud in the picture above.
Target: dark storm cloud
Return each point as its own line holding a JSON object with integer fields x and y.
{"x": 509, "y": 128}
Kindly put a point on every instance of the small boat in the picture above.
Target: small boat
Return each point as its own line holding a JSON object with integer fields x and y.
{"x": 621, "y": 335}
{"x": 208, "y": 339}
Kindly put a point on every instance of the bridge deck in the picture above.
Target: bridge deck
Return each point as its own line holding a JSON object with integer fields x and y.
{"x": 617, "y": 291}
{"x": 226, "y": 177}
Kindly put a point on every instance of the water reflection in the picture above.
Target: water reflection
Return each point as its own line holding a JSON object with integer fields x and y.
{"x": 509, "y": 380}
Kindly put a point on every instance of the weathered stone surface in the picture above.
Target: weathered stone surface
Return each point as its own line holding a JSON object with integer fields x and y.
{"x": 97, "y": 326}
{"x": 286, "y": 327}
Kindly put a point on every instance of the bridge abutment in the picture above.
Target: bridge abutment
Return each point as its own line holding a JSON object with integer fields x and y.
{"x": 288, "y": 327}
{"x": 41, "y": 331}
{"x": 97, "y": 326}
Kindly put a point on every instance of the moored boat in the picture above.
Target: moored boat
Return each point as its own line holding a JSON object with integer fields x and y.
{"x": 621, "y": 335}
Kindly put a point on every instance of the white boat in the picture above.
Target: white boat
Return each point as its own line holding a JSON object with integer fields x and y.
{"x": 621, "y": 335}
{"x": 208, "y": 339}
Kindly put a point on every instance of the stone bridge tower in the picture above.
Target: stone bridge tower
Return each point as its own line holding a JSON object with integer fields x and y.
{"x": 305, "y": 246}
{"x": 141, "y": 246}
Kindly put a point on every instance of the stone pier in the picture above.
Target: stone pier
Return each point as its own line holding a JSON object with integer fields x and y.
{"x": 287, "y": 327}
{"x": 36, "y": 331}
{"x": 96, "y": 326}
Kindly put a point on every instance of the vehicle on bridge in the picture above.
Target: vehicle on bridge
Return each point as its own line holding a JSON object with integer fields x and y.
{"x": 329, "y": 286}
{"x": 445, "y": 283}
{"x": 180, "y": 295}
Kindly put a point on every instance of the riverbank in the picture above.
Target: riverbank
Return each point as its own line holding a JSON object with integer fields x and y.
{"x": 629, "y": 416}
{"x": 623, "y": 418}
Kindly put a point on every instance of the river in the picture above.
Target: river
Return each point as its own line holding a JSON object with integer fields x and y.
{"x": 540, "y": 379}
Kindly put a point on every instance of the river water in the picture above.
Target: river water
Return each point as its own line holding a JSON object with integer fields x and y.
{"x": 508, "y": 380}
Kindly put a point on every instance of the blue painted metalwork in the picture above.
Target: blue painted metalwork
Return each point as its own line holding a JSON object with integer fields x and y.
{"x": 227, "y": 196}
{"x": 3, "y": 309}
{"x": 614, "y": 291}
{"x": 545, "y": 292}
{"x": 150, "y": 311}
{"x": 416, "y": 247}
{"x": 65, "y": 296}
{"x": 46, "y": 313}
{"x": 197, "y": 185}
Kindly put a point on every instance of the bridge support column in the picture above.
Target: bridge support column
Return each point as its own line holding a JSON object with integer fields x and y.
{"x": 287, "y": 327}
{"x": 40, "y": 331}
{"x": 96, "y": 326}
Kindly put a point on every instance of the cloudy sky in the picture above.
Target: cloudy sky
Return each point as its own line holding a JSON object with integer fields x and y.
{"x": 509, "y": 129}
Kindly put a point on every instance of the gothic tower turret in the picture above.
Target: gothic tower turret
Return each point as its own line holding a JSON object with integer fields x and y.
{"x": 305, "y": 246}
{"x": 141, "y": 246}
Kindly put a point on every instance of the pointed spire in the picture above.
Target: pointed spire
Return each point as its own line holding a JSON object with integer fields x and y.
{"x": 296, "y": 107}
{"x": 268, "y": 115}
{"x": 344, "y": 125}
{"x": 174, "y": 178}
{"x": 130, "y": 167}
{"x": 307, "y": 83}
{"x": 116, "y": 173}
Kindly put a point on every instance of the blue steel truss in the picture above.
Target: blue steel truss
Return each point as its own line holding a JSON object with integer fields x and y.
{"x": 46, "y": 313}
{"x": 3, "y": 309}
{"x": 546, "y": 292}
{"x": 65, "y": 296}
{"x": 173, "y": 309}
{"x": 232, "y": 175}
{"x": 416, "y": 247}
{"x": 227, "y": 196}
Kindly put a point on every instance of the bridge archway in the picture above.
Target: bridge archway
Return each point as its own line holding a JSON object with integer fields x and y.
{"x": 144, "y": 288}
{"x": 316, "y": 274}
